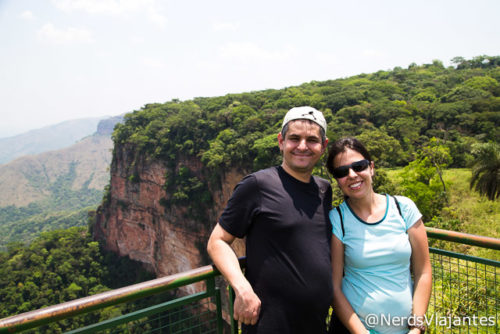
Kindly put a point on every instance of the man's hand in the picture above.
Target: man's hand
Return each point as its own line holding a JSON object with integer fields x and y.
{"x": 247, "y": 307}
{"x": 246, "y": 304}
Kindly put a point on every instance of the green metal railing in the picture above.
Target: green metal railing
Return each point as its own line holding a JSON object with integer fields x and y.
{"x": 465, "y": 298}
{"x": 465, "y": 291}
{"x": 199, "y": 312}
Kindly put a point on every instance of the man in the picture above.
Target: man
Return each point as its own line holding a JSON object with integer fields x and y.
{"x": 283, "y": 212}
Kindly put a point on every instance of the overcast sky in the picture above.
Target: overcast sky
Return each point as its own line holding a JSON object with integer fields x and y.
{"x": 69, "y": 59}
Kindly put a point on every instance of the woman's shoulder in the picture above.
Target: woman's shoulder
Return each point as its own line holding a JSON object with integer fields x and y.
{"x": 403, "y": 200}
{"x": 336, "y": 211}
{"x": 408, "y": 209}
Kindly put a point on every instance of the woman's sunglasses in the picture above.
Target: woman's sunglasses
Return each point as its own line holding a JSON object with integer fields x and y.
{"x": 357, "y": 166}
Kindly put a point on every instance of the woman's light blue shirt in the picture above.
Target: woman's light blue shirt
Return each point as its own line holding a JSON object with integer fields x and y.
{"x": 377, "y": 280}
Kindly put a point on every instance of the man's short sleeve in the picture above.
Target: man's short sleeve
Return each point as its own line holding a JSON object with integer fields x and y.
{"x": 241, "y": 208}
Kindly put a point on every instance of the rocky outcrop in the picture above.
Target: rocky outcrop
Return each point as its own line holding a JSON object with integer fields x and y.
{"x": 138, "y": 220}
{"x": 106, "y": 126}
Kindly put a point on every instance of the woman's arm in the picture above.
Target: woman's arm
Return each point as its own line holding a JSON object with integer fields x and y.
{"x": 341, "y": 306}
{"x": 422, "y": 271}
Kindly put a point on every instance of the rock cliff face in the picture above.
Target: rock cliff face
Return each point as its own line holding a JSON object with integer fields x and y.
{"x": 134, "y": 219}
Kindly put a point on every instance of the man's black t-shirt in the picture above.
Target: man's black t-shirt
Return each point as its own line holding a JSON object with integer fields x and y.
{"x": 288, "y": 235}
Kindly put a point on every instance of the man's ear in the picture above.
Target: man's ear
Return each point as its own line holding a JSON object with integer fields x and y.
{"x": 280, "y": 141}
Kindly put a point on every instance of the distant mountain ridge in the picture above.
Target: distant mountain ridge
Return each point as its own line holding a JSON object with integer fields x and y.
{"x": 28, "y": 179}
{"x": 55, "y": 189}
{"x": 48, "y": 138}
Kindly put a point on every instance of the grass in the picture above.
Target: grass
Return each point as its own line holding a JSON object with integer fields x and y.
{"x": 467, "y": 212}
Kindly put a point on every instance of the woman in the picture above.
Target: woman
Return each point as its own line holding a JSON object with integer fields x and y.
{"x": 375, "y": 238}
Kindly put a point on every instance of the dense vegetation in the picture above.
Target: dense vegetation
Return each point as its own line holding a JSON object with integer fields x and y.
{"x": 399, "y": 111}
{"x": 426, "y": 118}
{"x": 64, "y": 208}
{"x": 59, "y": 266}
{"x": 418, "y": 122}
{"x": 54, "y": 190}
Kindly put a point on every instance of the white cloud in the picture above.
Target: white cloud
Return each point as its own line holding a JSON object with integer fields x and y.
{"x": 155, "y": 16}
{"x": 208, "y": 66}
{"x": 225, "y": 26}
{"x": 27, "y": 15}
{"x": 113, "y": 7}
{"x": 153, "y": 62}
{"x": 151, "y": 8}
{"x": 327, "y": 58}
{"x": 373, "y": 53}
{"x": 248, "y": 52}
{"x": 137, "y": 39}
{"x": 49, "y": 33}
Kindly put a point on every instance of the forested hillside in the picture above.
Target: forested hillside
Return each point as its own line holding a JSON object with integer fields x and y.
{"x": 397, "y": 112}
{"x": 426, "y": 117}
{"x": 55, "y": 189}
{"x": 418, "y": 122}
{"x": 59, "y": 266}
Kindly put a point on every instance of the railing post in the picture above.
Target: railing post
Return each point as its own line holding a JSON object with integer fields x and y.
{"x": 234, "y": 324}
{"x": 215, "y": 291}
{"x": 218, "y": 302}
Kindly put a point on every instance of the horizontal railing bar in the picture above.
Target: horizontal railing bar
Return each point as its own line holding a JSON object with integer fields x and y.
{"x": 49, "y": 314}
{"x": 471, "y": 258}
{"x": 463, "y": 238}
{"x": 142, "y": 313}
{"x": 54, "y": 313}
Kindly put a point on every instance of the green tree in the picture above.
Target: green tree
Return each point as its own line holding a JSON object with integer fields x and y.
{"x": 422, "y": 179}
{"x": 384, "y": 149}
{"x": 486, "y": 169}
{"x": 440, "y": 158}
{"x": 267, "y": 151}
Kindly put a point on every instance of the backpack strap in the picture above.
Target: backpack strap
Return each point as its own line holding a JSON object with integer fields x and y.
{"x": 400, "y": 213}
{"x": 341, "y": 220}
{"x": 397, "y": 204}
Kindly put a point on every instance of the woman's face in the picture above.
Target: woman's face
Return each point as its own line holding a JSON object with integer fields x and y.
{"x": 356, "y": 185}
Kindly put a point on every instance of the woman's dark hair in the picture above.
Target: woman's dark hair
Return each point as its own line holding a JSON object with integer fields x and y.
{"x": 341, "y": 145}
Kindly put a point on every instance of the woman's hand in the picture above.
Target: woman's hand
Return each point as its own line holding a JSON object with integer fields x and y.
{"x": 414, "y": 331}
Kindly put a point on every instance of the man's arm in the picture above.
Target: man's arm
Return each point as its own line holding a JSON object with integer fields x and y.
{"x": 247, "y": 303}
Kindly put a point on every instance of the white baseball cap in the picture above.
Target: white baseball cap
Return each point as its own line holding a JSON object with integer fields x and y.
{"x": 306, "y": 112}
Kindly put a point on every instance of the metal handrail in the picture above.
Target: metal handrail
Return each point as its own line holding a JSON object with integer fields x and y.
{"x": 463, "y": 238}
{"x": 54, "y": 313}
{"x": 49, "y": 314}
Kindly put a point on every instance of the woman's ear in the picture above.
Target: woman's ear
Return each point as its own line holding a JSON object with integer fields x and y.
{"x": 325, "y": 145}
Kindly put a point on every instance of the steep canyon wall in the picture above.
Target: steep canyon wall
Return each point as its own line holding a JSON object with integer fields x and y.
{"x": 137, "y": 217}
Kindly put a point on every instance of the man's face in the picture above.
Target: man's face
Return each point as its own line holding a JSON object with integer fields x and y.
{"x": 302, "y": 146}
